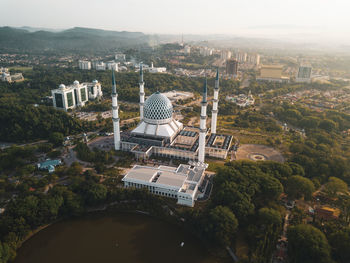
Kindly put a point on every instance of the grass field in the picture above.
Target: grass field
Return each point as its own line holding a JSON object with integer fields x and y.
{"x": 21, "y": 69}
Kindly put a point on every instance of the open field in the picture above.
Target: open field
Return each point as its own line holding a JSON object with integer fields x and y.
{"x": 256, "y": 152}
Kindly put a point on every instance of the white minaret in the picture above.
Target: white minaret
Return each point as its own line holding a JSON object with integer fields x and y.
{"x": 115, "y": 118}
{"x": 202, "y": 125}
{"x": 142, "y": 92}
{"x": 214, "y": 112}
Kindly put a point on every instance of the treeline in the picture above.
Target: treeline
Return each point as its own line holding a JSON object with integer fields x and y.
{"x": 245, "y": 199}
{"x": 23, "y": 123}
{"x": 41, "y": 80}
{"x": 273, "y": 89}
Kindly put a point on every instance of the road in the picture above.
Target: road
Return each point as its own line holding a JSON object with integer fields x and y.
{"x": 4, "y": 145}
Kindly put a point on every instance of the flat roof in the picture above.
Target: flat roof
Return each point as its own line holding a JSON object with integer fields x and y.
{"x": 184, "y": 178}
{"x": 141, "y": 173}
{"x": 167, "y": 175}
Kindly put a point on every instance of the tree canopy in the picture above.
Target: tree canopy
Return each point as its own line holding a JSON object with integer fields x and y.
{"x": 307, "y": 244}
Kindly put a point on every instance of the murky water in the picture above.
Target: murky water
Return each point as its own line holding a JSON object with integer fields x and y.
{"x": 119, "y": 238}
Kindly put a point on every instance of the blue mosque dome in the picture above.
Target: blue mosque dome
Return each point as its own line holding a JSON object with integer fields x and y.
{"x": 158, "y": 107}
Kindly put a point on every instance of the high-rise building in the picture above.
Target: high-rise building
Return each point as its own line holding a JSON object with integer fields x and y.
{"x": 253, "y": 59}
{"x": 232, "y": 67}
{"x": 112, "y": 65}
{"x": 205, "y": 51}
{"x": 187, "y": 50}
{"x": 304, "y": 74}
{"x": 225, "y": 55}
{"x": 83, "y": 64}
{"x": 100, "y": 66}
{"x": 241, "y": 57}
{"x": 76, "y": 95}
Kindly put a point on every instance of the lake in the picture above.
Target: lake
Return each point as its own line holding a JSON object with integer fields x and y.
{"x": 122, "y": 237}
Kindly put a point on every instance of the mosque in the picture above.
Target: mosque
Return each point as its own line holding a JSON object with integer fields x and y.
{"x": 160, "y": 134}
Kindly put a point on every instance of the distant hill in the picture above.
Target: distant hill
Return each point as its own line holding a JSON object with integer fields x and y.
{"x": 71, "y": 40}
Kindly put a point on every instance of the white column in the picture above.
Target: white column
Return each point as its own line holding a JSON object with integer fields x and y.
{"x": 115, "y": 117}
{"x": 202, "y": 126}
{"x": 214, "y": 112}
{"x": 142, "y": 92}
{"x": 142, "y": 99}
{"x": 116, "y": 128}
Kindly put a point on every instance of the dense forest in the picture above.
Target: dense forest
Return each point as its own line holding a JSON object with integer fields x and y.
{"x": 24, "y": 123}
{"x": 324, "y": 151}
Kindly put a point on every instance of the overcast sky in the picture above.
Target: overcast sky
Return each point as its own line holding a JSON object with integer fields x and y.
{"x": 183, "y": 16}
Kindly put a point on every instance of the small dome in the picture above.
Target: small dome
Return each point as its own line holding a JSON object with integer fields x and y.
{"x": 76, "y": 82}
{"x": 158, "y": 108}
{"x": 95, "y": 81}
{"x": 62, "y": 86}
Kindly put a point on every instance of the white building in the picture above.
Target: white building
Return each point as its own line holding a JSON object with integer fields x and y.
{"x": 156, "y": 70}
{"x": 225, "y": 55}
{"x": 241, "y": 57}
{"x": 120, "y": 57}
{"x": 185, "y": 183}
{"x": 205, "y": 51}
{"x": 17, "y": 77}
{"x": 84, "y": 64}
{"x": 112, "y": 65}
{"x": 94, "y": 89}
{"x": 100, "y": 66}
{"x": 76, "y": 95}
{"x": 160, "y": 134}
{"x": 187, "y": 50}
{"x": 6, "y": 77}
{"x": 253, "y": 59}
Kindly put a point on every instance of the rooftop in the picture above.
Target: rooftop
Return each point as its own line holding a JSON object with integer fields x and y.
{"x": 184, "y": 178}
{"x": 164, "y": 175}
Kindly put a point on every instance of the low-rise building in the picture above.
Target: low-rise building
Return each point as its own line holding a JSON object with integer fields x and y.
{"x": 185, "y": 183}
{"x": 49, "y": 165}
{"x": 327, "y": 212}
{"x": 242, "y": 100}
{"x": 120, "y": 57}
{"x": 157, "y": 70}
{"x": 6, "y": 76}
{"x": 272, "y": 73}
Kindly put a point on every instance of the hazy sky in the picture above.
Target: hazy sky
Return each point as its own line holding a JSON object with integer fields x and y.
{"x": 182, "y": 16}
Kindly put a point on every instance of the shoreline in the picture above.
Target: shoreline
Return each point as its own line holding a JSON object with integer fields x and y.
{"x": 113, "y": 208}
